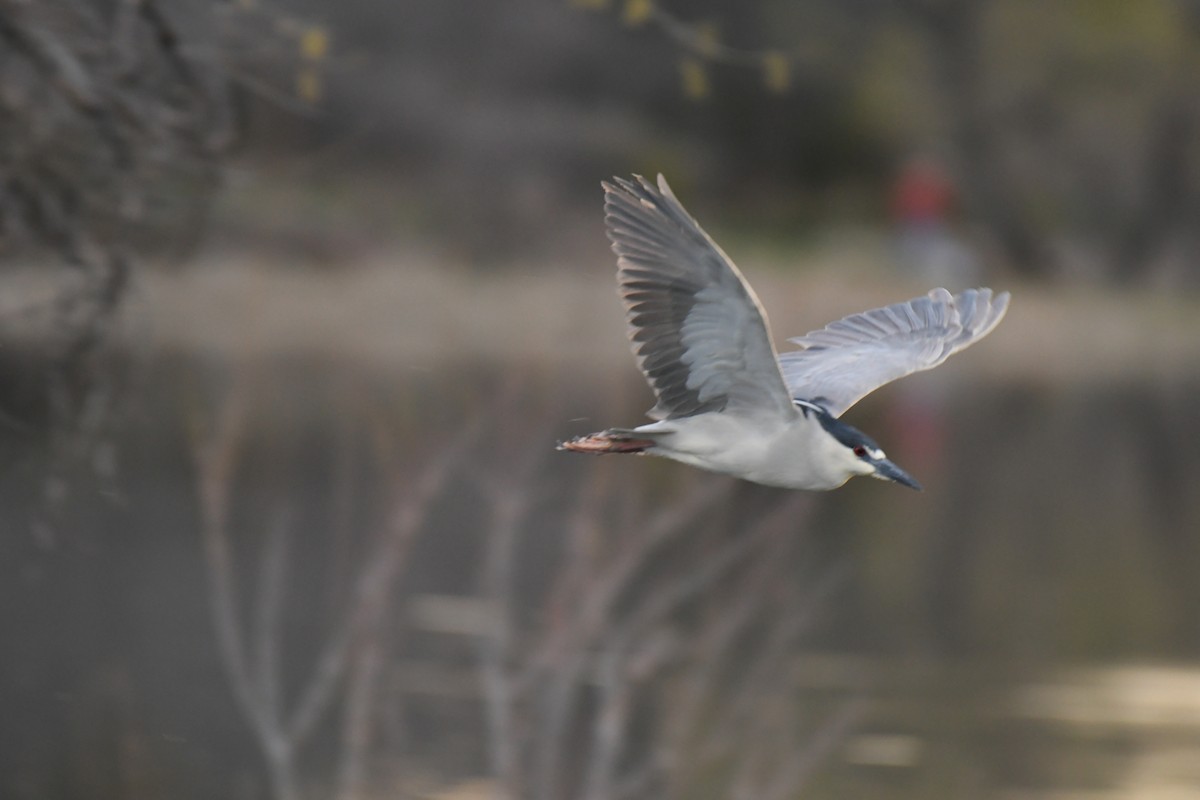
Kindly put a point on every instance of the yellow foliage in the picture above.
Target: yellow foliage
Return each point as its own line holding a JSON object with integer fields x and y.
{"x": 777, "y": 72}
{"x": 308, "y": 85}
{"x": 314, "y": 43}
{"x": 695, "y": 79}
{"x": 637, "y": 12}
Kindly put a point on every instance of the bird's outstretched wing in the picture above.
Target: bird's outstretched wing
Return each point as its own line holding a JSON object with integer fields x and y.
{"x": 698, "y": 331}
{"x": 854, "y": 356}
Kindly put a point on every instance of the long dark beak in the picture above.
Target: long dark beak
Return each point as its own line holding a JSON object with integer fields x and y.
{"x": 886, "y": 470}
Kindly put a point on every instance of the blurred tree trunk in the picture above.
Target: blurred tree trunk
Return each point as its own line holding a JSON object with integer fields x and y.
{"x": 115, "y": 116}
{"x": 954, "y": 32}
{"x": 1132, "y": 232}
{"x": 1168, "y": 194}
{"x": 109, "y": 132}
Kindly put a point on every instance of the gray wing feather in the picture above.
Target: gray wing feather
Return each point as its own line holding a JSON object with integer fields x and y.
{"x": 850, "y": 358}
{"x": 698, "y": 331}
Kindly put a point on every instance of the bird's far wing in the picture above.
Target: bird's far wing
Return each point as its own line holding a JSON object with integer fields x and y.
{"x": 698, "y": 331}
{"x": 854, "y": 356}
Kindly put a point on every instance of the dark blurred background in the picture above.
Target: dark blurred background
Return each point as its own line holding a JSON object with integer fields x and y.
{"x": 298, "y": 296}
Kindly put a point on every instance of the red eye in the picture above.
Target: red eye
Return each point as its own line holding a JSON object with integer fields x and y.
{"x": 860, "y": 451}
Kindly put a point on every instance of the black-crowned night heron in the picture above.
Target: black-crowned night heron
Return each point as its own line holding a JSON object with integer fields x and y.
{"x": 726, "y": 401}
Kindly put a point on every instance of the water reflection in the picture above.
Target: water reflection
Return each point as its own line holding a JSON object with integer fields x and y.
{"x": 307, "y": 580}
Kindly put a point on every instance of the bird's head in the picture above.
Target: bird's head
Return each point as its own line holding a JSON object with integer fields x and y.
{"x": 855, "y": 453}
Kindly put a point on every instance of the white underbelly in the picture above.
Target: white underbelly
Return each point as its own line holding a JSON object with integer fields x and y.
{"x": 774, "y": 453}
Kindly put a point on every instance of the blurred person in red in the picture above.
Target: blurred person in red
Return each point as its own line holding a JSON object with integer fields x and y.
{"x": 921, "y": 204}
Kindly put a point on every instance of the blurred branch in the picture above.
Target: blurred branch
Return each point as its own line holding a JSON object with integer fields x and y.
{"x": 268, "y": 630}
{"x": 352, "y": 653}
{"x": 615, "y": 682}
{"x": 702, "y": 45}
{"x": 114, "y": 130}
{"x": 625, "y": 657}
{"x": 216, "y": 460}
{"x": 1169, "y": 191}
{"x": 375, "y": 582}
{"x": 356, "y": 729}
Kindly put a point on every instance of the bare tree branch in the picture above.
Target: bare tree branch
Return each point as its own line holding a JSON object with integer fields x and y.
{"x": 626, "y": 626}
{"x": 352, "y": 655}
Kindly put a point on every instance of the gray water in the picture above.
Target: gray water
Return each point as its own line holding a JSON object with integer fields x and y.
{"x": 423, "y": 597}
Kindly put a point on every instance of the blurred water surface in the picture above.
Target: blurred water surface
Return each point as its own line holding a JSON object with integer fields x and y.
{"x": 304, "y": 576}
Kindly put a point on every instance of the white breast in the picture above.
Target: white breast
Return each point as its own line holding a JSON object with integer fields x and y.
{"x": 792, "y": 454}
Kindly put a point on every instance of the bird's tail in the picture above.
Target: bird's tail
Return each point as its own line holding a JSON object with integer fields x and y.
{"x": 613, "y": 440}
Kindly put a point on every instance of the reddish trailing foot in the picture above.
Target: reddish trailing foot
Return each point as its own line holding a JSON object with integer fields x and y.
{"x": 606, "y": 442}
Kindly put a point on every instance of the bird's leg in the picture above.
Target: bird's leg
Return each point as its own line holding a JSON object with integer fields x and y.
{"x": 612, "y": 440}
